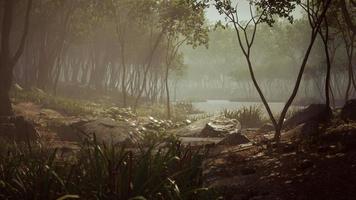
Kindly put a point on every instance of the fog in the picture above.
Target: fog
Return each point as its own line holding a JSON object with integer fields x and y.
{"x": 177, "y": 99}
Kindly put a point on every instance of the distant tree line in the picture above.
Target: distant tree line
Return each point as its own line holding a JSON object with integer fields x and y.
{"x": 321, "y": 17}
{"x": 123, "y": 47}
{"x": 277, "y": 52}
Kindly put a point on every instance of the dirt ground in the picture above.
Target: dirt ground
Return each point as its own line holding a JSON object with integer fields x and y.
{"x": 324, "y": 170}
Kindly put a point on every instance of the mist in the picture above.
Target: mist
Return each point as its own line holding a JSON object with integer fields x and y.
{"x": 177, "y": 99}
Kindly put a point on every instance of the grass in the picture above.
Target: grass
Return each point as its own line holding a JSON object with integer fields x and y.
{"x": 253, "y": 117}
{"x": 102, "y": 171}
{"x": 76, "y": 107}
{"x": 62, "y": 104}
{"x": 249, "y": 117}
{"x": 180, "y": 111}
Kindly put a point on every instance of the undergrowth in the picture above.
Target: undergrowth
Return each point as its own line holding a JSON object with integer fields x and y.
{"x": 102, "y": 171}
{"x": 66, "y": 105}
{"x": 180, "y": 110}
{"x": 249, "y": 117}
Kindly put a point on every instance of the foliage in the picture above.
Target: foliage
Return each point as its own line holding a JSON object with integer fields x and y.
{"x": 62, "y": 104}
{"x": 249, "y": 117}
{"x": 181, "y": 111}
{"x": 187, "y": 107}
{"x": 105, "y": 171}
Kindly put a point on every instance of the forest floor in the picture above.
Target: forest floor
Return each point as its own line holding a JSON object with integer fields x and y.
{"x": 321, "y": 169}
{"x": 45, "y": 121}
{"x": 317, "y": 168}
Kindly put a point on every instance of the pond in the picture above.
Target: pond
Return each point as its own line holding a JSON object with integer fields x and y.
{"x": 215, "y": 106}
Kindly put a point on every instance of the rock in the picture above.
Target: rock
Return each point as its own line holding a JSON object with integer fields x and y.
{"x": 314, "y": 112}
{"x": 301, "y": 132}
{"x": 234, "y": 139}
{"x": 17, "y": 128}
{"x": 119, "y": 114}
{"x": 108, "y": 130}
{"x": 348, "y": 112}
{"x": 193, "y": 129}
{"x": 221, "y": 127}
{"x": 266, "y": 127}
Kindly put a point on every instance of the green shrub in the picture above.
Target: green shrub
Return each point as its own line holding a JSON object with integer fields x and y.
{"x": 249, "y": 117}
{"x": 165, "y": 170}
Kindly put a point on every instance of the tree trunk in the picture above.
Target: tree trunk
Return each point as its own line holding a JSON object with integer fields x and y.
{"x": 167, "y": 94}
{"x": 5, "y": 85}
{"x": 7, "y": 62}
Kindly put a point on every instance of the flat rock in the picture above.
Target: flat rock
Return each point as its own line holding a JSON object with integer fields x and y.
{"x": 193, "y": 129}
{"x": 108, "y": 130}
{"x": 221, "y": 127}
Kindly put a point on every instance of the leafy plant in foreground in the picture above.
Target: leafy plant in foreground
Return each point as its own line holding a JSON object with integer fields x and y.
{"x": 165, "y": 170}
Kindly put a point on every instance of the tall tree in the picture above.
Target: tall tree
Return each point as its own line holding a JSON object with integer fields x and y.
{"x": 7, "y": 60}
{"x": 266, "y": 11}
{"x": 184, "y": 21}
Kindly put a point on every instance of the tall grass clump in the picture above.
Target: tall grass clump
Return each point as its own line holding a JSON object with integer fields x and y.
{"x": 249, "y": 117}
{"x": 102, "y": 171}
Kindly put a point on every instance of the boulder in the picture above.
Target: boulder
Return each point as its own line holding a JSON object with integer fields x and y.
{"x": 108, "y": 130}
{"x": 193, "y": 129}
{"x": 266, "y": 127}
{"x": 17, "y": 128}
{"x": 221, "y": 127}
{"x": 301, "y": 132}
{"x": 313, "y": 113}
{"x": 348, "y": 112}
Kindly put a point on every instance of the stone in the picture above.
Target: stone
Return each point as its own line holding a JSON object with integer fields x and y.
{"x": 348, "y": 112}
{"x": 193, "y": 129}
{"x": 234, "y": 139}
{"x": 221, "y": 127}
{"x": 301, "y": 132}
{"x": 314, "y": 112}
{"x": 266, "y": 127}
{"x": 108, "y": 130}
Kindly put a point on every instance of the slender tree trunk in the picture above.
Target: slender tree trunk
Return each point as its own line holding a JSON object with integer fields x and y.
{"x": 148, "y": 66}
{"x": 5, "y": 85}
{"x": 349, "y": 50}
{"x": 7, "y": 62}
{"x": 167, "y": 93}
{"x": 325, "y": 39}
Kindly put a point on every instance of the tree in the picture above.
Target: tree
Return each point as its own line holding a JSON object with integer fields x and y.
{"x": 343, "y": 23}
{"x": 184, "y": 22}
{"x": 266, "y": 11}
{"x": 7, "y": 60}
